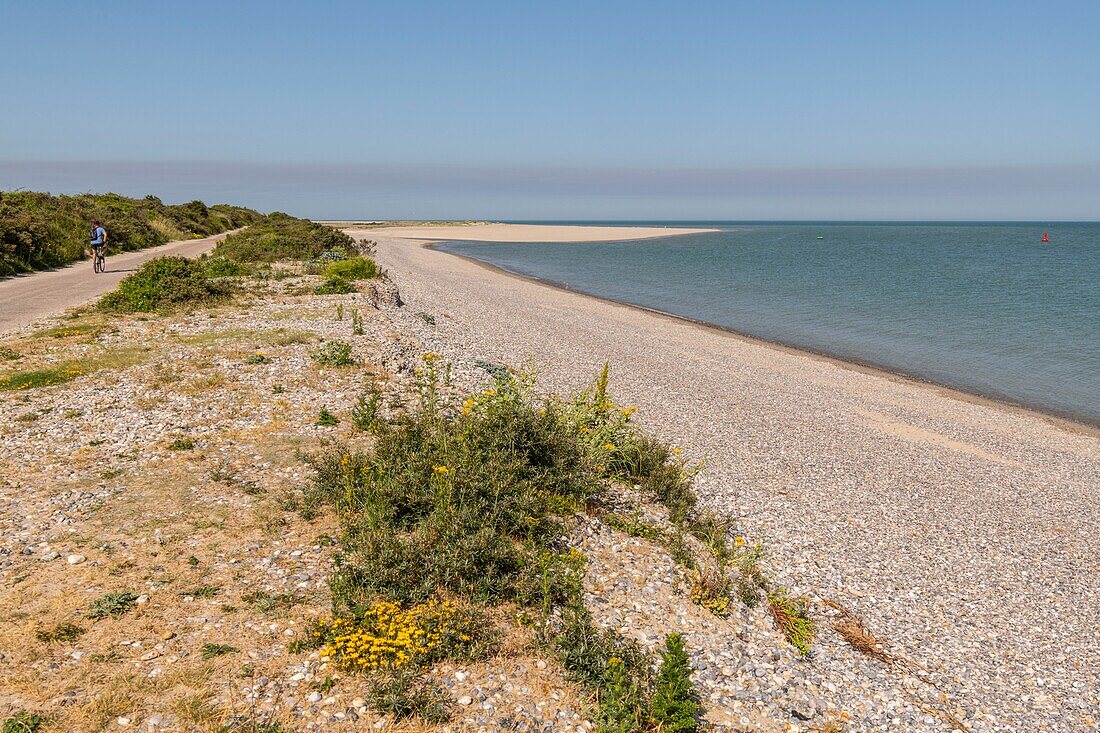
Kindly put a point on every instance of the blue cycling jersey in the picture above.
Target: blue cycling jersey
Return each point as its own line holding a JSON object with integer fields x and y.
{"x": 98, "y": 235}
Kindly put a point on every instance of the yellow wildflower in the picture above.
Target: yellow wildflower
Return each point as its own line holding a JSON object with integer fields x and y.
{"x": 441, "y": 469}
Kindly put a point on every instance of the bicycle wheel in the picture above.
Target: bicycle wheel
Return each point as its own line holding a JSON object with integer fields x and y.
{"x": 99, "y": 262}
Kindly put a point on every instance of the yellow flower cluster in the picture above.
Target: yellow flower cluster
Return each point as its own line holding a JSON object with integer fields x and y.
{"x": 441, "y": 469}
{"x": 388, "y": 637}
{"x": 432, "y": 356}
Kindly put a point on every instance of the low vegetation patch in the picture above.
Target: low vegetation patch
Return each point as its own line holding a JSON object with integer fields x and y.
{"x": 283, "y": 237}
{"x": 353, "y": 268}
{"x": 182, "y": 444}
{"x": 462, "y": 506}
{"x": 62, "y": 633}
{"x": 112, "y": 605}
{"x": 335, "y": 286}
{"x": 791, "y": 617}
{"x": 333, "y": 354}
{"x": 24, "y": 722}
{"x": 209, "y": 651}
{"x": 165, "y": 284}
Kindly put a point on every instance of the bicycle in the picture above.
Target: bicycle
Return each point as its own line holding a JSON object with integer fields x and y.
{"x": 99, "y": 263}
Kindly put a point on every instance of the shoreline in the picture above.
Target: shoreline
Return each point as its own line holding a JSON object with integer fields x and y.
{"x": 1066, "y": 421}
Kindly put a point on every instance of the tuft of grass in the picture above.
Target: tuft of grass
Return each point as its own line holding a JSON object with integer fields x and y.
{"x": 115, "y": 605}
{"x": 365, "y": 415}
{"x": 711, "y": 589}
{"x": 356, "y": 323}
{"x": 427, "y": 318}
{"x": 63, "y": 633}
{"x": 24, "y": 722}
{"x": 406, "y": 695}
{"x": 9, "y": 354}
{"x": 257, "y": 358}
{"x": 203, "y": 591}
{"x": 91, "y": 329}
{"x": 326, "y": 418}
{"x": 333, "y": 354}
{"x": 632, "y": 525}
{"x": 209, "y": 651}
{"x": 860, "y": 638}
{"x": 182, "y": 444}
{"x": 270, "y": 603}
{"x": 792, "y": 618}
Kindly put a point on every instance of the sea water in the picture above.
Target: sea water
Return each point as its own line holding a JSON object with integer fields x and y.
{"x": 987, "y": 308}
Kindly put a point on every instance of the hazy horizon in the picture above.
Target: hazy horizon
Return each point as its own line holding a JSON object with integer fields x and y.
{"x": 869, "y": 111}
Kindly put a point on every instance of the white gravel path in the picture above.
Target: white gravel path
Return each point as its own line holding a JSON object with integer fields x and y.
{"x": 964, "y": 534}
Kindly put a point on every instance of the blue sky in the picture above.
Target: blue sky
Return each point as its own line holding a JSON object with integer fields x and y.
{"x": 729, "y": 110}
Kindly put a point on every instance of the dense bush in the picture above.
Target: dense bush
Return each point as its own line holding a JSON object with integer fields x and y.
{"x": 353, "y": 268}
{"x": 38, "y": 230}
{"x": 165, "y": 283}
{"x": 283, "y": 237}
{"x": 469, "y": 501}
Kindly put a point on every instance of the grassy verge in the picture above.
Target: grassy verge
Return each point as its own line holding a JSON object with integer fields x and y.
{"x": 38, "y": 230}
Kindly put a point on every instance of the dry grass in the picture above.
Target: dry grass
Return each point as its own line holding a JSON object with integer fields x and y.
{"x": 860, "y": 638}
{"x": 852, "y": 629}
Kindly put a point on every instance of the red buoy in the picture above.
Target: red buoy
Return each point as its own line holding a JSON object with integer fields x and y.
{"x": 1046, "y": 238}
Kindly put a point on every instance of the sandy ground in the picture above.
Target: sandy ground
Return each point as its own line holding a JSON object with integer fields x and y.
{"x": 27, "y": 298}
{"x": 521, "y": 232}
{"x": 962, "y": 531}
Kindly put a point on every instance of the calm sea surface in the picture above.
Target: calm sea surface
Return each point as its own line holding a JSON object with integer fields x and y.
{"x": 987, "y": 308}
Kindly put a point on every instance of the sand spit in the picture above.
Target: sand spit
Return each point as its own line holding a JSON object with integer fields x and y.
{"x": 522, "y": 232}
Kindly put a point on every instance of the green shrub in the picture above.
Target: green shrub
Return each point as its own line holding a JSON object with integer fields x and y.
{"x": 162, "y": 284}
{"x": 792, "y": 618}
{"x": 112, "y": 604}
{"x": 354, "y": 268}
{"x": 333, "y": 353}
{"x": 365, "y": 415}
{"x": 182, "y": 444}
{"x": 218, "y": 266}
{"x": 24, "y": 722}
{"x": 326, "y": 418}
{"x": 335, "y": 286}
{"x": 470, "y": 501}
{"x": 283, "y": 237}
{"x": 39, "y": 231}
{"x": 675, "y": 704}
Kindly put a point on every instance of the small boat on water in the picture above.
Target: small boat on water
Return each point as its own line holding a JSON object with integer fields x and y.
{"x": 820, "y": 236}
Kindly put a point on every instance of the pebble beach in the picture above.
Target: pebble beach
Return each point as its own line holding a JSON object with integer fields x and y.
{"x": 956, "y": 532}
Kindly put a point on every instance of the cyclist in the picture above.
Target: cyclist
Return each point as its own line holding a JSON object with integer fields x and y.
{"x": 98, "y": 239}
